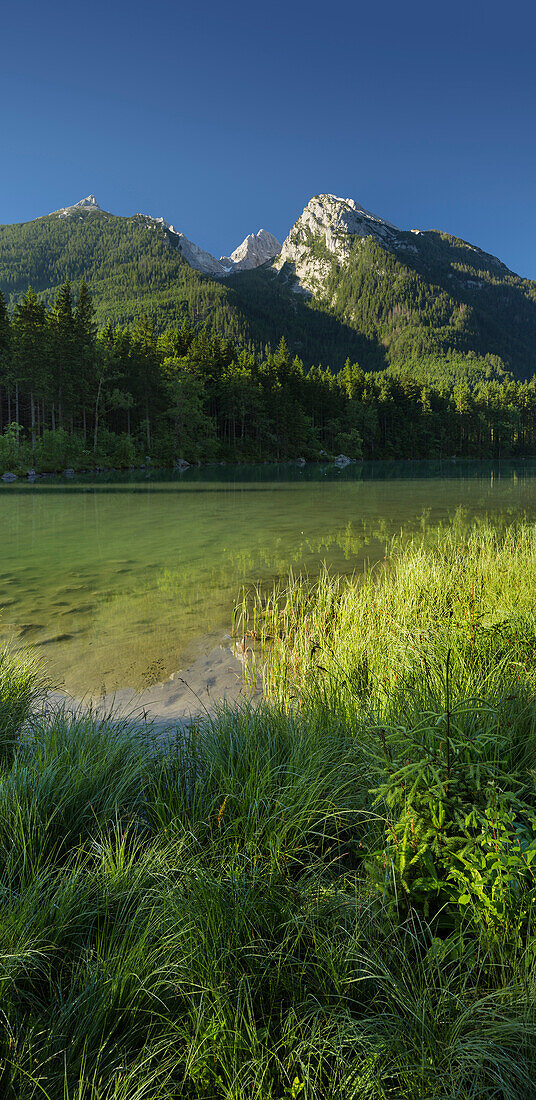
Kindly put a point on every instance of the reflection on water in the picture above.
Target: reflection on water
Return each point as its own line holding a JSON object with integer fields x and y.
{"x": 122, "y": 582}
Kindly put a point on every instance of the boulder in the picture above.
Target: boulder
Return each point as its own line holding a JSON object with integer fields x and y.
{"x": 69, "y": 472}
{"x": 341, "y": 461}
{"x": 9, "y": 477}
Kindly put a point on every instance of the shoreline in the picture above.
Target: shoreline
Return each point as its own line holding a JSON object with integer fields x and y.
{"x": 214, "y": 679}
{"x": 23, "y": 474}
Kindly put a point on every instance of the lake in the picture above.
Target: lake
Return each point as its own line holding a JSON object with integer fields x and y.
{"x": 121, "y": 581}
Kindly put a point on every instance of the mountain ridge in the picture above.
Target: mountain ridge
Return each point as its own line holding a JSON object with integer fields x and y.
{"x": 255, "y": 249}
{"x": 344, "y": 283}
{"x": 338, "y": 221}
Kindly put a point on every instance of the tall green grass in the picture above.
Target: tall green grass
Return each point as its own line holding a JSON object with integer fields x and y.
{"x": 383, "y": 639}
{"x": 330, "y": 896}
{"x": 22, "y": 685}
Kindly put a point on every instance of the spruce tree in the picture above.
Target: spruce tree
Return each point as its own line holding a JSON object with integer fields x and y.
{"x": 63, "y": 340}
{"x": 5, "y": 348}
{"x": 30, "y": 361}
{"x": 85, "y": 331}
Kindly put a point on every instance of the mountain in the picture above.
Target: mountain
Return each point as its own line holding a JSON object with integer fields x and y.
{"x": 256, "y": 249}
{"x": 336, "y": 223}
{"x": 83, "y": 206}
{"x": 133, "y": 265}
{"x": 140, "y": 264}
{"x": 419, "y": 296}
{"x": 345, "y": 283}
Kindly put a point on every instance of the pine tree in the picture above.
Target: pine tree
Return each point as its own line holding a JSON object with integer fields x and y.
{"x": 147, "y": 371}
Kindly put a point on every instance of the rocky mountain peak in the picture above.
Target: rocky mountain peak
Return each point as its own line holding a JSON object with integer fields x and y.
{"x": 196, "y": 256}
{"x": 331, "y": 212}
{"x": 256, "y": 249}
{"x": 335, "y": 222}
{"x": 89, "y": 204}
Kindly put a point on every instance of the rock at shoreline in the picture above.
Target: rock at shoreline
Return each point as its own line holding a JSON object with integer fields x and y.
{"x": 341, "y": 461}
{"x": 9, "y": 477}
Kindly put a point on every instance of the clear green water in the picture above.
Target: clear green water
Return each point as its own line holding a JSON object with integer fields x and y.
{"x": 121, "y": 583}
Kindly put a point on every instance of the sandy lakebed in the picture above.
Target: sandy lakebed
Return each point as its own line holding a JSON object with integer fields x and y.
{"x": 214, "y": 679}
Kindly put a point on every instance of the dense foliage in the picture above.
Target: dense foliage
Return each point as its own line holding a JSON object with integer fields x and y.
{"x": 128, "y": 263}
{"x": 70, "y": 396}
{"x": 332, "y": 896}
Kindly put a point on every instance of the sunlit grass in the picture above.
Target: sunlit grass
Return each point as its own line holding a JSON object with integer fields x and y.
{"x": 330, "y": 896}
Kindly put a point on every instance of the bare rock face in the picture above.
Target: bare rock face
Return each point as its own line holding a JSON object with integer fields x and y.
{"x": 88, "y": 205}
{"x": 197, "y": 257}
{"x": 324, "y": 232}
{"x": 256, "y": 249}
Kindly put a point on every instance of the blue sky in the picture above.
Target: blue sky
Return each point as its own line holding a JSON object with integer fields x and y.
{"x": 225, "y": 117}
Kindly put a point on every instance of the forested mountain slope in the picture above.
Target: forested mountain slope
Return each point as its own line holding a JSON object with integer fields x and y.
{"x": 128, "y": 263}
{"x": 347, "y": 284}
{"x": 426, "y": 299}
{"x": 133, "y": 267}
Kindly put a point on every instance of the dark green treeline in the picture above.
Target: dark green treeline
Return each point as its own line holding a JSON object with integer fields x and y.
{"x": 71, "y": 395}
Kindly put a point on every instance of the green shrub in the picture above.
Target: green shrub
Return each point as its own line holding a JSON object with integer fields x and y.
{"x": 59, "y": 450}
{"x": 10, "y": 447}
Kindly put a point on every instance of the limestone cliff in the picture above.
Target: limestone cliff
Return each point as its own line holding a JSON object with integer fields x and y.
{"x": 256, "y": 249}
{"x": 324, "y": 233}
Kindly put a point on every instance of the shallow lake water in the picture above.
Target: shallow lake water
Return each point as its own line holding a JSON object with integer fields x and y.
{"x": 120, "y": 582}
